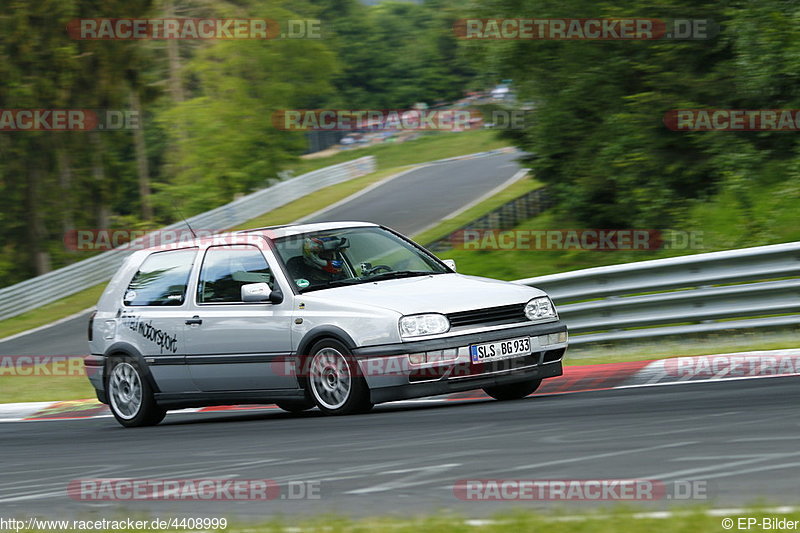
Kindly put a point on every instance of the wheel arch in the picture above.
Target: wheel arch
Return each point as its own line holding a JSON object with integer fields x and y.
{"x": 312, "y": 337}
{"x": 124, "y": 349}
{"x": 319, "y": 333}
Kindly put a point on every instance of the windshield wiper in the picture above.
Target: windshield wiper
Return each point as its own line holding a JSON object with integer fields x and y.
{"x": 334, "y": 283}
{"x": 396, "y": 274}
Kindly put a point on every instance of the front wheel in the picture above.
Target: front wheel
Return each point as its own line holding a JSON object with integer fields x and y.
{"x": 334, "y": 381}
{"x": 513, "y": 391}
{"x": 130, "y": 396}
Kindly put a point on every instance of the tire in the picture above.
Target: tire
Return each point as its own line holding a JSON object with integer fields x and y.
{"x": 296, "y": 407}
{"x": 513, "y": 391}
{"x": 334, "y": 380}
{"x": 130, "y": 395}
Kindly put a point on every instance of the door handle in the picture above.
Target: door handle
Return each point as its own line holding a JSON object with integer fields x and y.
{"x": 194, "y": 320}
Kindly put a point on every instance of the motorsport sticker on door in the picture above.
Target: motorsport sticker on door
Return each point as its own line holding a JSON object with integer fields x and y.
{"x": 492, "y": 351}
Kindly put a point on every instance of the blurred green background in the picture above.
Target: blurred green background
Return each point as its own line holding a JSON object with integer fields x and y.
{"x": 594, "y": 133}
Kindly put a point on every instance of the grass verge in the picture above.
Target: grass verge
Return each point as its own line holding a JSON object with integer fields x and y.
{"x": 429, "y": 147}
{"x": 20, "y": 389}
{"x": 448, "y": 226}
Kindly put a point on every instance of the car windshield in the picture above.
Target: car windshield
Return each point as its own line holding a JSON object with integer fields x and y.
{"x": 348, "y": 256}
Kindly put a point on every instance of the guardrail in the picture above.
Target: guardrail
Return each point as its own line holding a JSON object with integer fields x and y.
{"x": 35, "y": 292}
{"x": 736, "y": 289}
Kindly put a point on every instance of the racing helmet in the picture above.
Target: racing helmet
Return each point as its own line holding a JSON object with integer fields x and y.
{"x": 321, "y": 253}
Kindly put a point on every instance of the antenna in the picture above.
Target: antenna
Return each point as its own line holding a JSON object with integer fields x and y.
{"x": 186, "y": 222}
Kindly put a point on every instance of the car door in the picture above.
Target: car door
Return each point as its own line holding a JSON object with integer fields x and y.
{"x": 153, "y": 313}
{"x": 233, "y": 345}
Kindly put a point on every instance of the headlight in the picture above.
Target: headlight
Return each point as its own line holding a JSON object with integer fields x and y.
{"x": 417, "y": 325}
{"x": 540, "y": 308}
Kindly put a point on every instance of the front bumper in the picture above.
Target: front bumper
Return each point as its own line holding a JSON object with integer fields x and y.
{"x": 391, "y": 376}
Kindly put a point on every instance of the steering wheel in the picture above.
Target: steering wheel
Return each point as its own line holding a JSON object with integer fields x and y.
{"x": 376, "y": 269}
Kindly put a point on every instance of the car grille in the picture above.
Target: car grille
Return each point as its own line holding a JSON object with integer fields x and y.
{"x": 488, "y": 316}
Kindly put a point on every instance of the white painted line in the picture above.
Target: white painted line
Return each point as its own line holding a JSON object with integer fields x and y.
{"x": 21, "y": 410}
{"x": 416, "y": 476}
{"x": 46, "y": 326}
{"x": 601, "y": 455}
{"x": 709, "y": 380}
{"x": 362, "y": 192}
{"x": 394, "y": 176}
{"x": 500, "y": 188}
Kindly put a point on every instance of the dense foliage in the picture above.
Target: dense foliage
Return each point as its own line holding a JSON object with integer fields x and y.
{"x": 205, "y": 105}
{"x": 597, "y": 135}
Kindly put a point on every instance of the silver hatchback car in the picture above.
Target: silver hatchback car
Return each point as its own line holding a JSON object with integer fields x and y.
{"x": 338, "y": 316}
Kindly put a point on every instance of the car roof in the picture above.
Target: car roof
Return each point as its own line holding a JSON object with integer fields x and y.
{"x": 287, "y": 230}
{"x": 269, "y": 232}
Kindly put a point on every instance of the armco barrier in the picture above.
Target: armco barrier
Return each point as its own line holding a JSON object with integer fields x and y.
{"x": 49, "y": 287}
{"x": 736, "y": 289}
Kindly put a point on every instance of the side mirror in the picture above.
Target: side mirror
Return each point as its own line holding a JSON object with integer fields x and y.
{"x": 450, "y": 263}
{"x": 260, "y": 292}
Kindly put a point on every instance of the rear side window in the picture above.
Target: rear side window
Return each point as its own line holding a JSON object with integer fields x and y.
{"x": 226, "y": 269}
{"x": 162, "y": 279}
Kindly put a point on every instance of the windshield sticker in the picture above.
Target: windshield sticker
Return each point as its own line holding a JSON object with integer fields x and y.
{"x": 163, "y": 339}
{"x": 302, "y": 283}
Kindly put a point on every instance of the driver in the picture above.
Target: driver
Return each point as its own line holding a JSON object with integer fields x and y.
{"x": 321, "y": 260}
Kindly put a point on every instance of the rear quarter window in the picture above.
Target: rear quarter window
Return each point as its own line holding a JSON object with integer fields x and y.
{"x": 161, "y": 279}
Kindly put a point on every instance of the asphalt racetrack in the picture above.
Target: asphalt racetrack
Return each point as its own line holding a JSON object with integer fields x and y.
{"x": 738, "y": 438}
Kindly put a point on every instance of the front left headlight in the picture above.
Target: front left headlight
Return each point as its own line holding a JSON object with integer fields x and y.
{"x": 428, "y": 324}
{"x": 540, "y": 308}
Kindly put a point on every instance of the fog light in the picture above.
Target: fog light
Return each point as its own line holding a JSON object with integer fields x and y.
{"x": 416, "y": 358}
{"x": 553, "y": 338}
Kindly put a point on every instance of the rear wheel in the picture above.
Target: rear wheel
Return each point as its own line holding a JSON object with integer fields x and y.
{"x": 514, "y": 391}
{"x": 334, "y": 381}
{"x": 130, "y": 395}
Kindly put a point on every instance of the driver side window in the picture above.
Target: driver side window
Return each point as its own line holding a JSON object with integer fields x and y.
{"x": 226, "y": 268}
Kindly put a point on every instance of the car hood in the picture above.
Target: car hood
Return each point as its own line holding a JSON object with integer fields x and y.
{"x": 440, "y": 293}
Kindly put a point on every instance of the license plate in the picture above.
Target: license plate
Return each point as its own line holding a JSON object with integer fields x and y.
{"x": 492, "y": 351}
